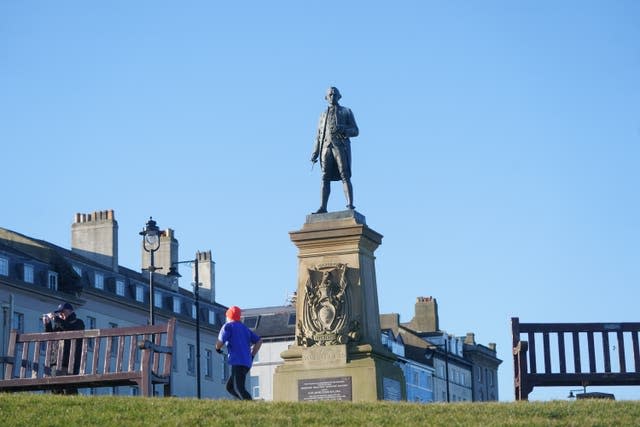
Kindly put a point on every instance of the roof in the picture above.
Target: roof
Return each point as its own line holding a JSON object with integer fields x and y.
{"x": 275, "y": 323}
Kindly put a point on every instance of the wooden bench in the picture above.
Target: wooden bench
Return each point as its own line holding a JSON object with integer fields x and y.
{"x": 592, "y": 348}
{"x": 131, "y": 356}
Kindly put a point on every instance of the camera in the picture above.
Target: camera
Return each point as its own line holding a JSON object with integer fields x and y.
{"x": 52, "y": 316}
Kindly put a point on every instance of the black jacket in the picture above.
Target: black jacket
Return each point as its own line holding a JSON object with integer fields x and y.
{"x": 72, "y": 323}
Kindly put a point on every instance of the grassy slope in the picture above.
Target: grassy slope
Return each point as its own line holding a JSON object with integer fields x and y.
{"x": 49, "y": 410}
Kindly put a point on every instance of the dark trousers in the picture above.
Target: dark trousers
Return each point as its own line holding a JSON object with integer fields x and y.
{"x": 235, "y": 383}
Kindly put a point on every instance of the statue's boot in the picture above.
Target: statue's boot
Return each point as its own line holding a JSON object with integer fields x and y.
{"x": 324, "y": 194}
{"x": 348, "y": 193}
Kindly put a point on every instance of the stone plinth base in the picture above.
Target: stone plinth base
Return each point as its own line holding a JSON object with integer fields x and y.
{"x": 337, "y": 354}
{"x": 333, "y": 373}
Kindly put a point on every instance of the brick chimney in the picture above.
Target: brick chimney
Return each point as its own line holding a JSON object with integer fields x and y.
{"x": 426, "y": 315}
{"x": 95, "y": 236}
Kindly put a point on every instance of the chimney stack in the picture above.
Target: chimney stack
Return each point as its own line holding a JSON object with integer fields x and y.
{"x": 470, "y": 338}
{"x": 207, "y": 276}
{"x": 163, "y": 258}
{"x": 426, "y": 315}
{"x": 95, "y": 236}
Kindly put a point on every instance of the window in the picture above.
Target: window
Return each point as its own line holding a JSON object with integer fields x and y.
{"x": 78, "y": 270}
{"x": 120, "y": 287}
{"x": 194, "y": 312}
{"x": 18, "y": 322}
{"x": 28, "y": 273}
{"x": 157, "y": 299}
{"x": 251, "y": 321}
{"x": 139, "y": 293}
{"x": 416, "y": 378}
{"x": 385, "y": 339}
{"x": 4, "y": 266}
{"x": 225, "y": 368}
{"x": 479, "y": 371}
{"x": 191, "y": 359}
{"x": 91, "y": 324}
{"x": 99, "y": 281}
{"x": 53, "y": 281}
{"x": 292, "y": 319}
{"x": 208, "y": 366}
{"x": 255, "y": 386}
{"x": 212, "y": 317}
{"x": 423, "y": 379}
{"x": 114, "y": 340}
{"x": 176, "y": 305}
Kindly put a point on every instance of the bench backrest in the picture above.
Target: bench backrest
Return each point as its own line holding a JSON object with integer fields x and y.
{"x": 574, "y": 354}
{"x": 104, "y": 351}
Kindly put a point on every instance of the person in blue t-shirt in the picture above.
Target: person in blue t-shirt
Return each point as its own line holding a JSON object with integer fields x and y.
{"x": 242, "y": 345}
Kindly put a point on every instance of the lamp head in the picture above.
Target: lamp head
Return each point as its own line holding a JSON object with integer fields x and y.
{"x": 151, "y": 236}
{"x": 173, "y": 272}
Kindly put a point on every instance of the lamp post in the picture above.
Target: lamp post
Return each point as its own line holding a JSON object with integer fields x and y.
{"x": 151, "y": 243}
{"x": 573, "y": 396}
{"x": 196, "y": 293}
{"x": 445, "y": 348}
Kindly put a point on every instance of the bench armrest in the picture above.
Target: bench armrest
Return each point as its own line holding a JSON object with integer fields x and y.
{"x": 148, "y": 345}
{"x": 522, "y": 347}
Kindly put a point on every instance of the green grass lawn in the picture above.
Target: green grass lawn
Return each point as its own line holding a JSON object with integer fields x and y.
{"x": 53, "y": 410}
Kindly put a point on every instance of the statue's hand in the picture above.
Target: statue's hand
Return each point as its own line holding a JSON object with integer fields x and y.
{"x": 314, "y": 158}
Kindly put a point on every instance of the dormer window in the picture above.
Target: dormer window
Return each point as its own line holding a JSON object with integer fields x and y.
{"x": 99, "y": 281}
{"x": 139, "y": 293}
{"x": 176, "y": 305}
{"x": 157, "y": 299}
{"x": 28, "y": 273}
{"x": 4, "y": 266}
{"x": 251, "y": 321}
{"x": 120, "y": 287}
{"x": 53, "y": 281}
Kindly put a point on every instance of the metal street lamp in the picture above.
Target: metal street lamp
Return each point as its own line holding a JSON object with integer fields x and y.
{"x": 196, "y": 293}
{"x": 151, "y": 243}
{"x": 573, "y": 396}
{"x": 445, "y": 347}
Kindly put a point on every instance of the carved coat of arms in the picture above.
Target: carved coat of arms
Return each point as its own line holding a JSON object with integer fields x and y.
{"x": 326, "y": 311}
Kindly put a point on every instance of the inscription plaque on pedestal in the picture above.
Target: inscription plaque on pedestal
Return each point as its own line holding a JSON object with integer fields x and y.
{"x": 338, "y": 388}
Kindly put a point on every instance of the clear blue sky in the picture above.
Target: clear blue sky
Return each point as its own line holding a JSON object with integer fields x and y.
{"x": 498, "y": 149}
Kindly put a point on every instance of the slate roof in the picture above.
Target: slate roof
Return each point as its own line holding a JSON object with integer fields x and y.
{"x": 272, "y": 323}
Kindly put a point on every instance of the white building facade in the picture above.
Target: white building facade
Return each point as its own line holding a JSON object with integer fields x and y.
{"x": 36, "y": 276}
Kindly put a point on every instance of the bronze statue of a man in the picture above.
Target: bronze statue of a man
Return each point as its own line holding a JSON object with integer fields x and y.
{"x": 333, "y": 147}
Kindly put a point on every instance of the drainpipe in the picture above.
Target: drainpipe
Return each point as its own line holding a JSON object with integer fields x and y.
{"x": 7, "y": 321}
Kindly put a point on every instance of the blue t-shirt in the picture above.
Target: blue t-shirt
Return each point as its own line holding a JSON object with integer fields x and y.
{"x": 238, "y": 339}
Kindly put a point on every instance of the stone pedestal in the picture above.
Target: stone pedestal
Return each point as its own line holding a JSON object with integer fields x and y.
{"x": 337, "y": 354}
